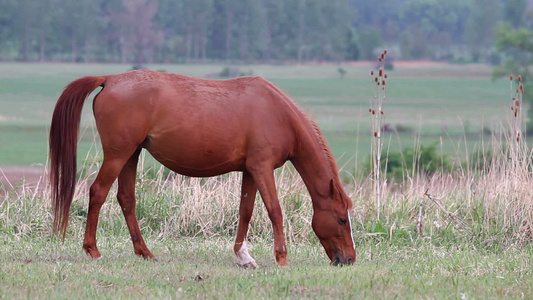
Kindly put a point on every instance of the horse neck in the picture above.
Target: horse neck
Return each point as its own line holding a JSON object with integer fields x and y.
{"x": 311, "y": 160}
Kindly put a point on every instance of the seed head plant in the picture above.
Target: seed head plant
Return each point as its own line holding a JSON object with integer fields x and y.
{"x": 516, "y": 107}
{"x": 377, "y": 116}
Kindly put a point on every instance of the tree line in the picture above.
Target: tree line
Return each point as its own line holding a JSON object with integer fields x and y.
{"x": 173, "y": 31}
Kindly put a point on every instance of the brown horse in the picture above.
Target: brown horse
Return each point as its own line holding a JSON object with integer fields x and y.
{"x": 200, "y": 128}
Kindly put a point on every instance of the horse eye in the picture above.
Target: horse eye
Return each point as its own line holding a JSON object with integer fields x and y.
{"x": 342, "y": 221}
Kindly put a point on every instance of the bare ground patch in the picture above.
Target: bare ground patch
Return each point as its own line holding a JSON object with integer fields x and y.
{"x": 15, "y": 177}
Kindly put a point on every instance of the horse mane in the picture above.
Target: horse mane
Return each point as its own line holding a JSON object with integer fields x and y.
{"x": 324, "y": 147}
{"x": 328, "y": 155}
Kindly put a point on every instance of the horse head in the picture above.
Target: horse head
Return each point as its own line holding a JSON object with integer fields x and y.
{"x": 331, "y": 223}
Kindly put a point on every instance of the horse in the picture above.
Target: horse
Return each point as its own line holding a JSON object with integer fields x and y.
{"x": 201, "y": 128}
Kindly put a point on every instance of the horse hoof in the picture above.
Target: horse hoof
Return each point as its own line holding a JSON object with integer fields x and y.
{"x": 101, "y": 258}
{"x": 250, "y": 265}
{"x": 155, "y": 259}
{"x": 282, "y": 264}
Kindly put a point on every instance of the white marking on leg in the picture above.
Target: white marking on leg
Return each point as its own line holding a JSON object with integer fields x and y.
{"x": 351, "y": 231}
{"x": 243, "y": 257}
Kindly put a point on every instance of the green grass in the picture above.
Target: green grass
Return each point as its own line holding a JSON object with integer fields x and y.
{"x": 205, "y": 268}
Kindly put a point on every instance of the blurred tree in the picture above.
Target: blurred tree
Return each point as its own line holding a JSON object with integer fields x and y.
{"x": 24, "y": 27}
{"x": 137, "y": 30}
{"x": 7, "y": 25}
{"x": 480, "y": 27}
{"x": 382, "y": 15}
{"x": 302, "y": 5}
{"x": 184, "y": 30}
{"x": 514, "y": 12}
{"x": 440, "y": 22}
{"x": 70, "y": 23}
{"x": 229, "y": 12}
{"x": 270, "y": 13}
{"x": 171, "y": 19}
{"x": 414, "y": 43}
{"x": 43, "y": 18}
{"x": 369, "y": 39}
{"x": 197, "y": 13}
{"x": 517, "y": 45}
{"x": 102, "y": 37}
{"x": 421, "y": 28}
{"x": 319, "y": 29}
{"x": 353, "y": 51}
{"x": 515, "y": 41}
{"x": 248, "y": 30}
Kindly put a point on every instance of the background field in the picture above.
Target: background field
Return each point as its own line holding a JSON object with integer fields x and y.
{"x": 475, "y": 233}
{"x": 437, "y": 101}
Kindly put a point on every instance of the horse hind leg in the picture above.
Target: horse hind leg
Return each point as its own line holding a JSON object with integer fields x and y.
{"x": 97, "y": 195}
{"x": 248, "y": 192}
{"x": 126, "y": 199}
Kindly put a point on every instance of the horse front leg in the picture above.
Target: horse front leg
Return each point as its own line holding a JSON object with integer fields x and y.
{"x": 264, "y": 178}
{"x": 248, "y": 192}
{"x": 126, "y": 199}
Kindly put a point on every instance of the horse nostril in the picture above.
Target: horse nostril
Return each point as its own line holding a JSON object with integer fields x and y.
{"x": 349, "y": 261}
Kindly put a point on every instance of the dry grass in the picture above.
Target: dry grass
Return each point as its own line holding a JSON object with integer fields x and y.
{"x": 490, "y": 204}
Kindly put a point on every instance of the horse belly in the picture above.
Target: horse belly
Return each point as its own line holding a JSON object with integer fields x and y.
{"x": 195, "y": 155}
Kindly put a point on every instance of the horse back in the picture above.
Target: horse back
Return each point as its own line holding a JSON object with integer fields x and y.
{"x": 194, "y": 126}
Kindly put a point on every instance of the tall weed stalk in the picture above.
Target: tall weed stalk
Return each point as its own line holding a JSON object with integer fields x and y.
{"x": 377, "y": 115}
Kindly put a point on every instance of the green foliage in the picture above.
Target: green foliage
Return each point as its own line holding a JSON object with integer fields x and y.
{"x": 429, "y": 161}
{"x": 229, "y": 72}
{"x": 342, "y": 72}
{"x": 425, "y": 160}
{"x": 389, "y": 66}
{"x": 509, "y": 38}
{"x": 368, "y": 40}
{"x": 353, "y": 49}
{"x": 232, "y": 72}
{"x": 516, "y": 43}
{"x": 481, "y": 161}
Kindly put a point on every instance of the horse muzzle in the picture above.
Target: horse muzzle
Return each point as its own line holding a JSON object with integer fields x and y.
{"x": 341, "y": 260}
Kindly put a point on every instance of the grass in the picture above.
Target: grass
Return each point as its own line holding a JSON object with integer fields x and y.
{"x": 449, "y": 235}
{"x": 189, "y": 223}
{"x": 204, "y": 268}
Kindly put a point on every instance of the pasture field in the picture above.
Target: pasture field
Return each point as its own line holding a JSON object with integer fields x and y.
{"x": 440, "y": 103}
{"x": 464, "y": 234}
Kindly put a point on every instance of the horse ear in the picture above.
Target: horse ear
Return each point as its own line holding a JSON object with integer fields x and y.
{"x": 331, "y": 188}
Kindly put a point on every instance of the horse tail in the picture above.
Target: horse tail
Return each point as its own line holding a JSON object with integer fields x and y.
{"x": 63, "y": 142}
